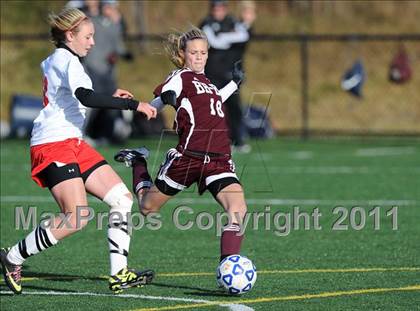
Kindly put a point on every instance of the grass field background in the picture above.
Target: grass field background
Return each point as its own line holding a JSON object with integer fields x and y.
{"x": 306, "y": 269}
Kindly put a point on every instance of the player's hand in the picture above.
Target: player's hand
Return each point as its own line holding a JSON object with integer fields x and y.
{"x": 238, "y": 75}
{"x": 123, "y": 94}
{"x": 147, "y": 109}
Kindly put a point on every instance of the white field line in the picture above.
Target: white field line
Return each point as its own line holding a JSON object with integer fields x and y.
{"x": 385, "y": 151}
{"x": 233, "y": 307}
{"x": 58, "y": 293}
{"x": 244, "y": 169}
{"x": 327, "y": 170}
{"x": 301, "y": 155}
{"x": 268, "y": 201}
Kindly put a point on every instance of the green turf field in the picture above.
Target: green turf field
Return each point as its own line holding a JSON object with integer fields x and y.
{"x": 355, "y": 268}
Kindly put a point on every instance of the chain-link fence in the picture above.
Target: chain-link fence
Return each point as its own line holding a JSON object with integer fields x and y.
{"x": 298, "y": 77}
{"x": 303, "y": 84}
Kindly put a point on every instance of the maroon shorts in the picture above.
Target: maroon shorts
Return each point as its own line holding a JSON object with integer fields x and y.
{"x": 72, "y": 150}
{"x": 180, "y": 171}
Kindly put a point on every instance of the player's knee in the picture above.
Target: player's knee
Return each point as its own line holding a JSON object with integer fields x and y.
{"x": 237, "y": 207}
{"x": 119, "y": 199}
{"x": 147, "y": 207}
{"x": 82, "y": 218}
{"x": 151, "y": 203}
{"x": 74, "y": 221}
{"x": 144, "y": 211}
{"x": 129, "y": 195}
{"x": 237, "y": 211}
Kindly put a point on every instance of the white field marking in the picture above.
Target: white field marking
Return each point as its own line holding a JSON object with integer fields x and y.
{"x": 258, "y": 156}
{"x": 327, "y": 170}
{"x": 321, "y": 170}
{"x": 301, "y": 155}
{"x": 342, "y": 293}
{"x": 201, "y": 274}
{"x": 46, "y": 199}
{"x": 231, "y": 306}
{"x": 337, "y": 170}
{"x": 58, "y": 293}
{"x": 268, "y": 201}
{"x": 311, "y": 170}
{"x": 237, "y": 307}
{"x": 385, "y": 151}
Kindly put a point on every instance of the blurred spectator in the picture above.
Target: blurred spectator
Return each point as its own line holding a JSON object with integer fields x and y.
{"x": 105, "y": 125}
{"x": 248, "y": 13}
{"x": 354, "y": 78}
{"x": 400, "y": 69}
{"x": 228, "y": 37}
{"x": 110, "y": 10}
{"x": 75, "y": 4}
{"x": 92, "y": 7}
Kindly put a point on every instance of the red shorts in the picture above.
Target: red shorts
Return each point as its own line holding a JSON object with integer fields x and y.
{"x": 180, "y": 171}
{"x": 72, "y": 150}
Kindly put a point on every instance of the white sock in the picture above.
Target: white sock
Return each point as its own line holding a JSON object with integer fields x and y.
{"x": 37, "y": 241}
{"x": 118, "y": 235}
{"x": 119, "y": 243}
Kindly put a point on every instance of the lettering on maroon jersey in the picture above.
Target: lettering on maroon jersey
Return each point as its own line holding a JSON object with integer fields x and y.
{"x": 205, "y": 88}
{"x": 200, "y": 118}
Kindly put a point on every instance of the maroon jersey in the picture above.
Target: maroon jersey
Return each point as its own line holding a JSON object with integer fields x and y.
{"x": 200, "y": 120}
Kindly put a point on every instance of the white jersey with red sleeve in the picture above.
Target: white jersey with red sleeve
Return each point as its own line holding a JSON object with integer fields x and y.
{"x": 63, "y": 116}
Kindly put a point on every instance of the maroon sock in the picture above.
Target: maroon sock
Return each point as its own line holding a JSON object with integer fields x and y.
{"x": 230, "y": 242}
{"x": 141, "y": 177}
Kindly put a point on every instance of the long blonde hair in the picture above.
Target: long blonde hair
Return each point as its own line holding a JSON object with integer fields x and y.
{"x": 177, "y": 42}
{"x": 66, "y": 20}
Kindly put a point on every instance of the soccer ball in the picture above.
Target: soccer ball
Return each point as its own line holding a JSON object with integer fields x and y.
{"x": 236, "y": 274}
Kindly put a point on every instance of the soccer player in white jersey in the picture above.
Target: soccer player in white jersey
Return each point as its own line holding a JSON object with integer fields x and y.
{"x": 62, "y": 161}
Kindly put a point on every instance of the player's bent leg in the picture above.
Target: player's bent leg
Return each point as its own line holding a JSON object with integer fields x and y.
{"x": 153, "y": 200}
{"x": 11, "y": 272}
{"x": 107, "y": 185}
{"x": 71, "y": 197}
{"x": 101, "y": 180}
{"x": 137, "y": 159}
{"x": 119, "y": 234}
{"x": 233, "y": 201}
{"x": 69, "y": 194}
{"x": 119, "y": 242}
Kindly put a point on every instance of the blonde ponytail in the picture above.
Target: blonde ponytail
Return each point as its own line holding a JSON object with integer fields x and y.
{"x": 177, "y": 42}
{"x": 67, "y": 20}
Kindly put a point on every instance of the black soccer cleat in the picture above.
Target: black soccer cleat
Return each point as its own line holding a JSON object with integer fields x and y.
{"x": 11, "y": 272}
{"x": 131, "y": 156}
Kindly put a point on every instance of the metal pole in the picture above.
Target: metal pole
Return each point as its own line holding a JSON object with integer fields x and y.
{"x": 139, "y": 8}
{"x": 304, "y": 77}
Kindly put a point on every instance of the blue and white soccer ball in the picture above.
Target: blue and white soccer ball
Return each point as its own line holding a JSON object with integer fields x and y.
{"x": 236, "y": 274}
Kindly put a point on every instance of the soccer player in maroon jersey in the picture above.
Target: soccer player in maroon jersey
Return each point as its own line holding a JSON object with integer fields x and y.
{"x": 203, "y": 154}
